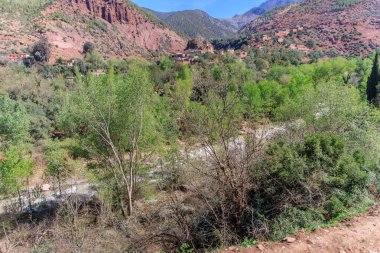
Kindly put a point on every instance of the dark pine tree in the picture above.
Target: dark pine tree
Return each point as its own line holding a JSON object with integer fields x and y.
{"x": 373, "y": 81}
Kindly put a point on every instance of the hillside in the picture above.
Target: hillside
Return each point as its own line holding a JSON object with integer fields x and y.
{"x": 117, "y": 28}
{"x": 196, "y": 23}
{"x": 339, "y": 27}
{"x": 239, "y": 21}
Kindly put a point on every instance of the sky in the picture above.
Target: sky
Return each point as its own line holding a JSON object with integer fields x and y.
{"x": 216, "y": 8}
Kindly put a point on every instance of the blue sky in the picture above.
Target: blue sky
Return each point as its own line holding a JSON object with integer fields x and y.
{"x": 216, "y": 8}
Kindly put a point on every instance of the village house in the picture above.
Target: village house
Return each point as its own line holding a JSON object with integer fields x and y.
{"x": 17, "y": 57}
{"x": 13, "y": 58}
{"x": 70, "y": 63}
{"x": 187, "y": 57}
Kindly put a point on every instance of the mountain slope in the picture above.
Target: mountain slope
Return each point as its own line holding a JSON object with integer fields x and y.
{"x": 196, "y": 23}
{"x": 118, "y": 28}
{"x": 336, "y": 27}
{"x": 240, "y": 21}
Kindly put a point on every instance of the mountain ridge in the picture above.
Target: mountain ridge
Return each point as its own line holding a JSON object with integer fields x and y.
{"x": 117, "y": 28}
{"x": 339, "y": 27}
{"x": 196, "y": 23}
{"x": 239, "y": 21}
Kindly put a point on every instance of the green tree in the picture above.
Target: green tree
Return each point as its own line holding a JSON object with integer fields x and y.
{"x": 373, "y": 81}
{"x": 14, "y": 122}
{"x": 15, "y": 169}
{"x": 94, "y": 59}
{"x": 41, "y": 50}
{"x": 114, "y": 113}
{"x": 88, "y": 47}
{"x": 57, "y": 166}
{"x": 183, "y": 87}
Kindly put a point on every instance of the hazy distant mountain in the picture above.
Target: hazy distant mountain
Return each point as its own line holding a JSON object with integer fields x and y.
{"x": 241, "y": 20}
{"x": 196, "y": 23}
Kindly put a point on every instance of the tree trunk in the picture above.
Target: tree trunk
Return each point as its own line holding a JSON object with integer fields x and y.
{"x": 59, "y": 185}
{"x": 19, "y": 199}
{"x": 130, "y": 203}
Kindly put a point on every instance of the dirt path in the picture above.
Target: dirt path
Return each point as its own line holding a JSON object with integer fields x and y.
{"x": 355, "y": 235}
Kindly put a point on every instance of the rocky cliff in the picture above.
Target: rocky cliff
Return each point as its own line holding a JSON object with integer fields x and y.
{"x": 118, "y": 29}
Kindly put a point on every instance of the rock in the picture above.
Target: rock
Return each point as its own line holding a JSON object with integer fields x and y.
{"x": 233, "y": 249}
{"x": 199, "y": 44}
{"x": 46, "y": 187}
{"x": 342, "y": 251}
{"x": 289, "y": 239}
{"x": 309, "y": 241}
{"x": 261, "y": 247}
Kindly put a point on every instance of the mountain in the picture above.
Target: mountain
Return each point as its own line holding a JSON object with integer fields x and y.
{"x": 118, "y": 28}
{"x": 272, "y": 4}
{"x": 196, "y": 23}
{"x": 336, "y": 27}
{"x": 239, "y": 21}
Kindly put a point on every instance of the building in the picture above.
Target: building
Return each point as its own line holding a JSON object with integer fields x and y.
{"x": 17, "y": 58}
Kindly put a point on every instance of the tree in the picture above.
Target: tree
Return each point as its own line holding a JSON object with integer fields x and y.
{"x": 310, "y": 43}
{"x": 57, "y": 166}
{"x": 94, "y": 59}
{"x": 41, "y": 50}
{"x": 225, "y": 167}
{"x": 15, "y": 168}
{"x": 14, "y": 122}
{"x": 114, "y": 114}
{"x": 88, "y": 47}
{"x": 373, "y": 81}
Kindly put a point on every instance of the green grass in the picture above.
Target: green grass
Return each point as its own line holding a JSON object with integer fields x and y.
{"x": 26, "y": 8}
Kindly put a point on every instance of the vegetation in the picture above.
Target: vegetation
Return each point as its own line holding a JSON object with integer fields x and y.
{"x": 41, "y": 50}
{"x": 196, "y": 23}
{"x": 373, "y": 81}
{"x": 26, "y": 8}
{"x": 285, "y": 146}
{"x": 88, "y": 47}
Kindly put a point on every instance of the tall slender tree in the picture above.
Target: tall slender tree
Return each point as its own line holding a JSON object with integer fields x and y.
{"x": 373, "y": 81}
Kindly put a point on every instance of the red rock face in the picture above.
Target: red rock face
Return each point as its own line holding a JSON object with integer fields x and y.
{"x": 144, "y": 32}
{"x": 118, "y": 29}
{"x": 111, "y": 10}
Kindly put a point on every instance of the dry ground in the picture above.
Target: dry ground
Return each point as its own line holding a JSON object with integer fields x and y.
{"x": 354, "y": 235}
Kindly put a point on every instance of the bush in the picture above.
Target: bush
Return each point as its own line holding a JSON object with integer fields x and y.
{"x": 88, "y": 47}
{"x": 14, "y": 122}
{"x": 41, "y": 50}
{"x": 308, "y": 175}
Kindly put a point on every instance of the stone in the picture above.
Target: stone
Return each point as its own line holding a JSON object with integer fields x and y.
{"x": 46, "y": 187}
{"x": 289, "y": 239}
{"x": 261, "y": 247}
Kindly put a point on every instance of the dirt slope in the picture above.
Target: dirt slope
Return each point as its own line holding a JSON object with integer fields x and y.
{"x": 355, "y": 235}
{"x": 118, "y": 28}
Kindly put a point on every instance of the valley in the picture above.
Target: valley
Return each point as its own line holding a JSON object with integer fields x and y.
{"x": 154, "y": 127}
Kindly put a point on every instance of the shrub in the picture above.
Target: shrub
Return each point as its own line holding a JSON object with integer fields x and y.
{"x": 308, "y": 175}
{"x": 88, "y": 47}
{"x": 41, "y": 50}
